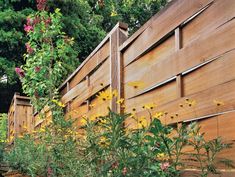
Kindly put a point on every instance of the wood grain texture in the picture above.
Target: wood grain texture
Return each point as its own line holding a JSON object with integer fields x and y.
{"x": 203, "y": 49}
{"x": 94, "y": 61}
{"x": 167, "y": 22}
{"x": 209, "y": 20}
{"x": 204, "y": 106}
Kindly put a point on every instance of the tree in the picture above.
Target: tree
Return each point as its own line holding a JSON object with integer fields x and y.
{"x": 86, "y": 20}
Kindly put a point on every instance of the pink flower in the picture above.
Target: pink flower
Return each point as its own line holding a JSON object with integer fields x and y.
{"x": 37, "y": 69}
{"x": 36, "y": 20}
{"x": 124, "y": 171}
{"x": 29, "y": 48}
{"x": 41, "y": 4}
{"x": 28, "y": 28}
{"x": 19, "y": 71}
{"x": 164, "y": 166}
{"x": 47, "y": 21}
{"x": 115, "y": 165}
{"x": 49, "y": 172}
{"x": 29, "y": 21}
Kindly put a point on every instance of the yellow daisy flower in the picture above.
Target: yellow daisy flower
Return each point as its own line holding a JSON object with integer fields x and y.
{"x": 158, "y": 115}
{"x": 142, "y": 122}
{"x": 218, "y": 103}
{"x": 120, "y": 101}
{"x": 59, "y": 103}
{"x": 136, "y": 84}
{"x": 149, "y": 106}
{"x": 105, "y": 95}
{"x": 190, "y": 103}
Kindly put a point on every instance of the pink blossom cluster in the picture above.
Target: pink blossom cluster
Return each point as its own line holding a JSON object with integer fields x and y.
{"x": 49, "y": 172}
{"x": 37, "y": 69}
{"x": 29, "y": 48}
{"x": 20, "y": 71}
{"x": 29, "y": 25}
{"x": 164, "y": 166}
{"x": 41, "y": 4}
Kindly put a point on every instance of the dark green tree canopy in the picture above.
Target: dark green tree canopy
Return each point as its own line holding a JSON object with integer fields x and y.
{"x": 87, "y": 21}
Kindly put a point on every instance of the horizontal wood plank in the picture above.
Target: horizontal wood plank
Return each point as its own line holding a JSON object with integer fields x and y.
{"x": 205, "y": 48}
{"x": 205, "y": 105}
{"x": 210, "y": 19}
{"x": 94, "y": 61}
{"x": 167, "y": 22}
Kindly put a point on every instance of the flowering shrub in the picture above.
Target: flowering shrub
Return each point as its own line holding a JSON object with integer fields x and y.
{"x": 49, "y": 58}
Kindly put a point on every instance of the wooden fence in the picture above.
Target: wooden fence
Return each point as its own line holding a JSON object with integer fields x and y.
{"x": 20, "y": 117}
{"x": 185, "y": 52}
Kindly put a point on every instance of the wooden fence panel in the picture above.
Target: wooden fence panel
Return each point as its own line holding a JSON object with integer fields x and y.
{"x": 186, "y": 52}
{"x": 20, "y": 117}
{"x": 171, "y": 18}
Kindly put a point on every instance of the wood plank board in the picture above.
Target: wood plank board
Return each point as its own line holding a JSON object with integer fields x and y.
{"x": 159, "y": 96}
{"x": 101, "y": 76}
{"x": 205, "y": 48}
{"x": 170, "y": 19}
{"x": 217, "y": 14}
{"x": 94, "y": 61}
{"x": 224, "y": 92}
{"x": 210, "y": 75}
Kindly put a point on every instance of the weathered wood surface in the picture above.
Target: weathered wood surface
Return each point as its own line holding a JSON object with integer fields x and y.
{"x": 187, "y": 51}
{"x": 20, "y": 117}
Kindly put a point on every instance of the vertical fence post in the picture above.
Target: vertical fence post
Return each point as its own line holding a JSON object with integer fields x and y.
{"x": 118, "y": 36}
{"x": 178, "y": 45}
{"x": 179, "y": 84}
{"x": 67, "y": 90}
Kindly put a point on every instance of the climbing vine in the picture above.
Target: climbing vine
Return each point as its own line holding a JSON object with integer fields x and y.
{"x": 49, "y": 59}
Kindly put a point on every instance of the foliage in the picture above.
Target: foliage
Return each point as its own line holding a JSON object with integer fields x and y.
{"x": 49, "y": 151}
{"x": 49, "y": 58}
{"x": 87, "y": 21}
{"x": 3, "y": 134}
{"x": 133, "y": 12}
{"x": 104, "y": 146}
{"x": 28, "y": 156}
{"x": 3, "y": 127}
{"x": 111, "y": 149}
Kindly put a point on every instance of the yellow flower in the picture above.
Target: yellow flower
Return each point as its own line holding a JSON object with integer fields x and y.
{"x": 105, "y": 95}
{"x": 133, "y": 115}
{"x": 142, "y": 122}
{"x": 91, "y": 105}
{"x": 218, "y": 103}
{"x": 149, "y": 106}
{"x": 136, "y": 84}
{"x": 158, "y": 114}
{"x": 113, "y": 14}
{"x": 41, "y": 130}
{"x": 162, "y": 156}
{"x": 83, "y": 122}
{"x": 59, "y": 103}
{"x": 181, "y": 105}
{"x": 190, "y": 103}
{"x": 20, "y": 136}
{"x": 120, "y": 101}
{"x": 102, "y": 121}
{"x": 95, "y": 117}
{"x": 103, "y": 141}
{"x": 115, "y": 93}
{"x": 191, "y": 134}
